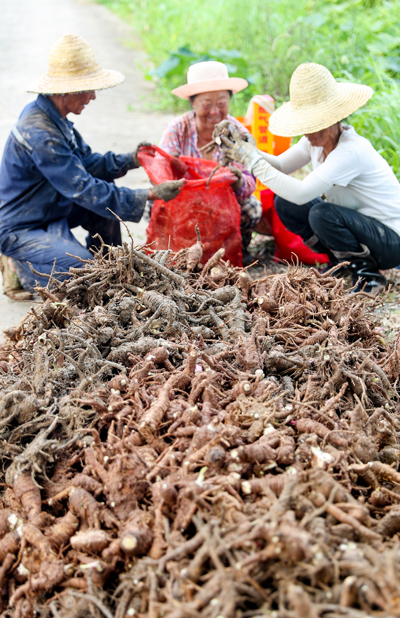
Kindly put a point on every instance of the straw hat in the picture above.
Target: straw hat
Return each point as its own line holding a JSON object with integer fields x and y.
{"x": 73, "y": 68}
{"x": 209, "y": 76}
{"x": 317, "y": 101}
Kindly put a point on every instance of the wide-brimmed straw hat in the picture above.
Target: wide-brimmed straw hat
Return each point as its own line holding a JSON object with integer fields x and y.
{"x": 317, "y": 101}
{"x": 209, "y": 76}
{"x": 73, "y": 68}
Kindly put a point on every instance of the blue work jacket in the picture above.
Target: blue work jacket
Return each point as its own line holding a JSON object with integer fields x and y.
{"x": 47, "y": 169}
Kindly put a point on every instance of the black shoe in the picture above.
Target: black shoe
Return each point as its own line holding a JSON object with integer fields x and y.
{"x": 365, "y": 272}
{"x": 368, "y": 280}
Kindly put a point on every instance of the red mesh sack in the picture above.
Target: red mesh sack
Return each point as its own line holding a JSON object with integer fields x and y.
{"x": 214, "y": 208}
{"x": 287, "y": 244}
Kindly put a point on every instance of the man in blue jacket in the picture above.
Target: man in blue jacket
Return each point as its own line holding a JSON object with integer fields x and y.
{"x": 51, "y": 181}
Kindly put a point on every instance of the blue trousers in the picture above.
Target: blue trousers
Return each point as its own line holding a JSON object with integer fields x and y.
{"x": 41, "y": 246}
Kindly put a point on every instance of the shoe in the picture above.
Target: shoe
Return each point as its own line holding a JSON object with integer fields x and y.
{"x": 365, "y": 272}
{"x": 371, "y": 284}
{"x": 11, "y": 284}
{"x": 362, "y": 268}
{"x": 368, "y": 280}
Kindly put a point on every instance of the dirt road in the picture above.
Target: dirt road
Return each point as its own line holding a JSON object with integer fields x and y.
{"x": 115, "y": 121}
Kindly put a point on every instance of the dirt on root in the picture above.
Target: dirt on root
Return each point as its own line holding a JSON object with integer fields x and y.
{"x": 183, "y": 440}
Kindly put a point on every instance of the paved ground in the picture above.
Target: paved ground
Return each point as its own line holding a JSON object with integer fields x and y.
{"x": 115, "y": 121}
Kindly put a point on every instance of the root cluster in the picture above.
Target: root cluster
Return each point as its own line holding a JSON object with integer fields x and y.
{"x": 180, "y": 440}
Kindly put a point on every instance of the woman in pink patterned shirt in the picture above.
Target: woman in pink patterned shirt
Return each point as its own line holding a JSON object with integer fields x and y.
{"x": 209, "y": 89}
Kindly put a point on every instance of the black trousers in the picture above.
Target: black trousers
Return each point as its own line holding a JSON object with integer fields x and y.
{"x": 340, "y": 229}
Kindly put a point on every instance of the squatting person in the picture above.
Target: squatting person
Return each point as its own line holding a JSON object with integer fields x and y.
{"x": 51, "y": 181}
{"x": 349, "y": 205}
{"x": 209, "y": 89}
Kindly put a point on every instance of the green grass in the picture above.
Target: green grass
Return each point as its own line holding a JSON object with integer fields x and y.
{"x": 358, "y": 40}
{"x": 379, "y": 121}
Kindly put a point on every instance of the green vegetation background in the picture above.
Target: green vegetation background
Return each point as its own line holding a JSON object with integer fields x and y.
{"x": 264, "y": 41}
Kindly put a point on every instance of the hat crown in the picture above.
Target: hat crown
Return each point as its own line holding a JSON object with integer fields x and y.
{"x": 209, "y": 70}
{"x": 209, "y": 76}
{"x": 310, "y": 85}
{"x": 72, "y": 56}
{"x": 73, "y": 68}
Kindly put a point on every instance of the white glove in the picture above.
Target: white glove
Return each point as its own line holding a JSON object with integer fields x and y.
{"x": 240, "y": 150}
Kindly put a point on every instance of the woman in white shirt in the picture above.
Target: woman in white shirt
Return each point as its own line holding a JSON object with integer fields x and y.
{"x": 349, "y": 205}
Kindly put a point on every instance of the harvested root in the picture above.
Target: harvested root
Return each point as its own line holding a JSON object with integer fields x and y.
{"x": 180, "y": 440}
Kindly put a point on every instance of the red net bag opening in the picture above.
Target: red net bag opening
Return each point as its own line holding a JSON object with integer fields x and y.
{"x": 214, "y": 208}
{"x": 287, "y": 244}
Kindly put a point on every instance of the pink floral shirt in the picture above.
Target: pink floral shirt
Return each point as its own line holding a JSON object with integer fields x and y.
{"x": 181, "y": 136}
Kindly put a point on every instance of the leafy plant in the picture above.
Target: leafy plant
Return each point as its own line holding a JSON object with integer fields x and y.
{"x": 379, "y": 121}
{"x": 180, "y": 60}
{"x": 357, "y": 40}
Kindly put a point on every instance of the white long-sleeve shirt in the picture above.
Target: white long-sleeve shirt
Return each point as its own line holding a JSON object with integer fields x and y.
{"x": 353, "y": 175}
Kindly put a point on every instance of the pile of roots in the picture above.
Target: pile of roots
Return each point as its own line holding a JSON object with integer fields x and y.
{"x": 180, "y": 440}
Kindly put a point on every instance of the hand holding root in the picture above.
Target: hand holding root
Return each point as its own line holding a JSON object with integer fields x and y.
{"x": 236, "y": 147}
{"x": 136, "y": 151}
{"x": 166, "y": 191}
{"x": 222, "y": 128}
{"x": 238, "y": 183}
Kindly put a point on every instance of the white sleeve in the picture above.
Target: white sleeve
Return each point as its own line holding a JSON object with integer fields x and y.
{"x": 291, "y": 189}
{"x": 340, "y": 167}
{"x": 292, "y": 159}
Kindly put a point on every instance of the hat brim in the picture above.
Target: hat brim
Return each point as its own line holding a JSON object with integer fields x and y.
{"x": 288, "y": 121}
{"x": 67, "y": 85}
{"x": 236, "y": 84}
